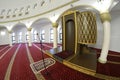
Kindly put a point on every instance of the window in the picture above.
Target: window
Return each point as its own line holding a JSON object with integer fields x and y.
{"x": 28, "y": 8}
{"x": 20, "y": 37}
{"x": 15, "y": 11}
{"x": 43, "y": 35}
{"x": 35, "y": 35}
{"x": 9, "y": 11}
{"x": 51, "y": 35}
{"x": 27, "y": 36}
{"x": 35, "y": 5}
{"x": 3, "y": 11}
{"x": 21, "y": 10}
{"x": 13, "y": 37}
{"x": 60, "y": 34}
{"x": 2, "y": 33}
{"x": 42, "y": 3}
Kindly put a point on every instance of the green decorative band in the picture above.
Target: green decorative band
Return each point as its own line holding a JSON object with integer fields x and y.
{"x": 105, "y": 17}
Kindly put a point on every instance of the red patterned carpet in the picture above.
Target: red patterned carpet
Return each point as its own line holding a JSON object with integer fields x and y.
{"x": 61, "y": 72}
{"x": 45, "y": 46}
{"x": 21, "y": 66}
{"x": 64, "y": 54}
{"x": 2, "y": 46}
{"x": 3, "y": 50}
{"x": 4, "y": 62}
{"x": 112, "y": 67}
{"x": 36, "y": 53}
{"x": 109, "y": 69}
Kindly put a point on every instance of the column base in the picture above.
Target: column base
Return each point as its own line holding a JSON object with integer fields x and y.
{"x": 10, "y": 45}
{"x": 30, "y": 44}
{"x": 54, "y": 47}
{"x": 103, "y": 61}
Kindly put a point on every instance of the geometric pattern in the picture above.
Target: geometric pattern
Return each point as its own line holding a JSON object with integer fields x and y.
{"x": 39, "y": 66}
{"x": 87, "y": 28}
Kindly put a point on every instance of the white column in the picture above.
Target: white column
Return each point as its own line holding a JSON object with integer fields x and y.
{"x": 29, "y": 34}
{"x": 105, "y": 18}
{"x": 55, "y": 40}
{"x": 10, "y": 38}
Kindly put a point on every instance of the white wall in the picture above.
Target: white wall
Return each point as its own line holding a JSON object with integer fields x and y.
{"x": 59, "y": 27}
{"x": 47, "y": 28}
{"x": 114, "y": 41}
{"x": 4, "y": 39}
{"x": 115, "y": 32}
{"x": 47, "y": 32}
{"x": 17, "y": 30}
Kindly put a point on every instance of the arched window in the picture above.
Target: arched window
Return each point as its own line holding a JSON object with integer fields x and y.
{"x": 15, "y": 11}
{"x": 9, "y": 12}
{"x": 27, "y": 36}
{"x": 60, "y": 35}
{"x": 43, "y": 35}
{"x": 28, "y": 8}
{"x": 13, "y": 37}
{"x": 21, "y": 9}
{"x": 3, "y": 11}
{"x": 20, "y": 37}
{"x": 35, "y": 5}
{"x": 51, "y": 35}
{"x": 2, "y": 33}
{"x": 35, "y": 36}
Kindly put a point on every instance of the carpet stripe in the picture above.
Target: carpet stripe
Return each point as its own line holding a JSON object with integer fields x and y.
{"x": 113, "y": 55}
{"x": 39, "y": 75}
{"x": 4, "y": 62}
{"x": 29, "y": 55}
{"x": 47, "y": 46}
{"x": 21, "y": 69}
{"x": 7, "y": 75}
{"x": 39, "y": 48}
{"x": 113, "y": 62}
{"x": 5, "y": 52}
{"x": 3, "y": 48}
{"x": 56, "y": 73}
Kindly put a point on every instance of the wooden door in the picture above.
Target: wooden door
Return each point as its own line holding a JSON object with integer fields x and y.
{"x": 70, "y": 35}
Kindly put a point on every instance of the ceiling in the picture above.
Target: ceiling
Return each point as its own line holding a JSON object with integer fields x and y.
{"x": 41, "y": 22}
{"x": 13, "y": 4}
{"x": 117, "y": 6}
{"x": 9, "y": 4}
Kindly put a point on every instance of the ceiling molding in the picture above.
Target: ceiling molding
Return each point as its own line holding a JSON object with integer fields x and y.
{"x": 40, "y": 13}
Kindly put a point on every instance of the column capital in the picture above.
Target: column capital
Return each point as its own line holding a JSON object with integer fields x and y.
{"x": 55, "y": 24}
{"x": 29, "y": 29}
{"x": 9, "y": 31}
{"x": 105, "y": 17}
